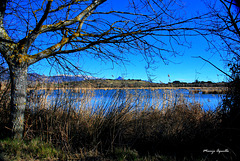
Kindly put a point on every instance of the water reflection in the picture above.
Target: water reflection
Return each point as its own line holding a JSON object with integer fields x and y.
{"x": 139, "y": 98}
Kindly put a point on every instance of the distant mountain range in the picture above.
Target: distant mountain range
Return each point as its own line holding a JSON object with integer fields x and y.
{"x": 57, "y": 78}
{"x": 4, "y": 75}
{"x": 64, "y": 78}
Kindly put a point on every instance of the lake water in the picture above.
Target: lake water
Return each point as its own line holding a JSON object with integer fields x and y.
{"x": 139, "y": 98}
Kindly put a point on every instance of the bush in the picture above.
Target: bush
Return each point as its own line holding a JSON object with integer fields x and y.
{"x": 122, "y": 154}
{"x": 29, "y": 150}
{"x": 230, "y": 116}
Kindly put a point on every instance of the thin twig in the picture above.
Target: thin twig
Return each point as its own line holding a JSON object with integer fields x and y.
{"x": 214, "y": 66}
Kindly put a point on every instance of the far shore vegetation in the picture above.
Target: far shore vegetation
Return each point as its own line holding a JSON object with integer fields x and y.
{"x": 194, "y": 87}
{"x": 129, "y": 83}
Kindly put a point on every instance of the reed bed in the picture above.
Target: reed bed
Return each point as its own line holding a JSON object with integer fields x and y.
{"x": 150, "y": 123}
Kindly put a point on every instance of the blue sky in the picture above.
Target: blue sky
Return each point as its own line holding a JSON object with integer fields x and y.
{"x": 183, "y": 68}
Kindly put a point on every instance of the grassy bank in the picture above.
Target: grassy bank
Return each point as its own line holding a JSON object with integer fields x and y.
{"x": 120, "y": 128}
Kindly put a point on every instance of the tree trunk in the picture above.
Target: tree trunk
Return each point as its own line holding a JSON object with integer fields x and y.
{"x": 18, "y": 75}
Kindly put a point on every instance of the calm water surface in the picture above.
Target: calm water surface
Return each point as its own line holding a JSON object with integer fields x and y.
{"x": 157, "y": 98}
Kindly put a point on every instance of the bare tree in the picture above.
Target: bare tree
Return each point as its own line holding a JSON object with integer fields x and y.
{"x": 32, "y": 30}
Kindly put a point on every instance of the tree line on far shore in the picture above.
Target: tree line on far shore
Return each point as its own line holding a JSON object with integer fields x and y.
{"x": 130, "y": 83}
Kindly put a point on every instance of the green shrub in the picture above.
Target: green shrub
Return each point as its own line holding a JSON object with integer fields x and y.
{"x": 28, "y": 150}
{"x": 125, "y": 154}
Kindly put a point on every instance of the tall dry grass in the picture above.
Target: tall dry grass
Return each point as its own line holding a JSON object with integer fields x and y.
{"x": 86, "y": 127}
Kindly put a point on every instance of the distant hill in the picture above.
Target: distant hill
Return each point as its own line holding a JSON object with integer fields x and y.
{"x": 113, "y": 83}
{"x": 69, "y": 78}
{"x": 58, "y": 78}
{"x": 120, "y": 78}
{"x": 94, "y": 82}
{"x": 137, "y": 83}
{"x": 4, "y": 75}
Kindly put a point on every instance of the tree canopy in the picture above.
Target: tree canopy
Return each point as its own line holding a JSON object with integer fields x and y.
{"x": 56, "y": 30}
{"x": 43, "y": 29}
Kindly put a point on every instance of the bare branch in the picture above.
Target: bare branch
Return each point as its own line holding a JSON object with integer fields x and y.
{"x": 233, "y": 22}
{"x": 85, "y": 12}
{"x": 27, "y": 41}
{"x": 214, "y": 66}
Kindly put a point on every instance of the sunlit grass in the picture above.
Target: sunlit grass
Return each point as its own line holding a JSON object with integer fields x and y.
{"x": 28, "y": 150}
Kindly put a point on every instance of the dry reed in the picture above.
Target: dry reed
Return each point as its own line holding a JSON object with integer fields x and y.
{"x": 148, "y": 121}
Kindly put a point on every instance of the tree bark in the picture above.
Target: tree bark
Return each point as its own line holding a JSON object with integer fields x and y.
{"x": 18, "y": 75}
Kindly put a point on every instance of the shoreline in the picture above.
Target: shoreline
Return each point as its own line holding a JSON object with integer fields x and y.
{"x": 193, "y": 89}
